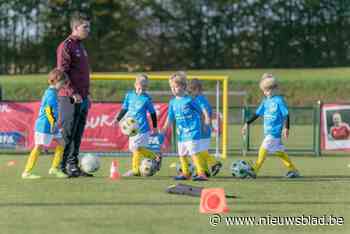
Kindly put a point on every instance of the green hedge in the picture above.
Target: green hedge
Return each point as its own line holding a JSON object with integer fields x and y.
{"x": 301, "y": 87}
{"x": 296, "y": 93}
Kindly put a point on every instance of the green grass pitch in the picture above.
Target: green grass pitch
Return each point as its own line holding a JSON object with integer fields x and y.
{"x": 140, "y": 205}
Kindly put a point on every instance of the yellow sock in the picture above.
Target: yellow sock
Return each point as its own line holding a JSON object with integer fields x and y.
{"x": 57, "y": 157}
{"x": 203, "y": 158}
{"x": 211, "y": 160}
{"x": 200, "y": 163}
{"x": 261, "y": 158}
{"x": 286, "y": 161}
{"x": 32, "y": 159}
{"x": 147, "y": 153}
{"x": 184, "y": 165}
{"x": 136, "y": 159}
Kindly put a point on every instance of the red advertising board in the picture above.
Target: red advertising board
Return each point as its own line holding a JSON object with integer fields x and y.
{"x": 101, "y": 134}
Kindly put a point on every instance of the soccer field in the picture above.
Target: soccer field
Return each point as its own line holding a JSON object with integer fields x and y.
{"x": 140, "y": 205}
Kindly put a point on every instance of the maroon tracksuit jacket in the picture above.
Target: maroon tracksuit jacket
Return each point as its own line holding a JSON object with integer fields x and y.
{"x": 72, "y": 58}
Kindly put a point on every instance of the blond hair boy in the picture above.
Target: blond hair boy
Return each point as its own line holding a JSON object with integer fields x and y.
{"x": 274, "y": 110}
{"x": 136, "y": 104}
{"x": 186, "y": 113}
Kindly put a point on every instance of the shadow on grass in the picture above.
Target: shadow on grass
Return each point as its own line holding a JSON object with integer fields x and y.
{"x": 161, "y": 204}
{"x": 315, "y": 178}
{"x": 77, "y": 204}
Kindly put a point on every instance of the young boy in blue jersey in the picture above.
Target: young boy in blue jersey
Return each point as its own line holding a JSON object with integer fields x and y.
{"x": 136, "y": 104}
{"x": 187, "y": 115}
{"x": 196, "y": 88}
{"x": 274, "y": 110}
{"x": 46, "y": 129}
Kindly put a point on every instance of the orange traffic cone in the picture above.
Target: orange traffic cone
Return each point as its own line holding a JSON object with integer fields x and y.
{"x": 11, "y": 163}
{"x": 213, "y": 201}
{"x": 114, "y": 170}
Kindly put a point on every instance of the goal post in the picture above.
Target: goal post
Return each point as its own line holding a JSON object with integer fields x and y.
{"x": 221, "y": 85}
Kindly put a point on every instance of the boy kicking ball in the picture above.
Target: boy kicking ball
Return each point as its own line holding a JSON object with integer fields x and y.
{"x": 136, "y": 105}
{"x": 46, "y": 129}
{"x": 276, "y": 122}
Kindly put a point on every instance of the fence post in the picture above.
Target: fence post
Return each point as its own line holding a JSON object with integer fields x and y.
{"x": 174, "y": 138}
{"x": 0, "y": 93}
{"x": 318, "y": 128}
{"x": 245, "y": 137}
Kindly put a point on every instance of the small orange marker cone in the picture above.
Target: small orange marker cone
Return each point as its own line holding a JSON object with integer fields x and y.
{"x": 11, "y": 163}
{"x": 213, "y": 201}
{"x": 114, "y": 170}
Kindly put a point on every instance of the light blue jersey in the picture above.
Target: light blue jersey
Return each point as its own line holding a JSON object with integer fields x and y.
{"x": 137, "y": 107}
{"x": 274, "y": 110}
{"x": 187, "y": 115}
{"x": 49, "y": 100}
{"x": 205, "y": 105}
{"x": 155, "y": 142}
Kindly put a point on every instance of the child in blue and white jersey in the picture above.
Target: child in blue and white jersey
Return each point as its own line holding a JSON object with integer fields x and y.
{"x": 186, "y": 113}
{"x": 274, "y": 110}
{"x": 137, "y": 104}
{"x": 46, "y": 129}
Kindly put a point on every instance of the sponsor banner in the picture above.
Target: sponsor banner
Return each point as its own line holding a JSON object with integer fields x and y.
{"x": 16, "y": 124}
{"x": 101, "y": 133}
{"x": 335, "y": 127}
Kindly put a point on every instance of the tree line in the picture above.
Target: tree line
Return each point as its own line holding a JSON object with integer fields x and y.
{"x": 181, "y": 34}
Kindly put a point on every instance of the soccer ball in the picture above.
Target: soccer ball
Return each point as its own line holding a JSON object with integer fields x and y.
{"x": 129, "y": 126}
{"x": 191, "y": 167}
{"x": 89, "y": 163}
{"x": 148, "y": 167}
{"x": 240, "y": 168}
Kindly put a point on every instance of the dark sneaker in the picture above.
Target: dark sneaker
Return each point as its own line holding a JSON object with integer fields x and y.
{"x": 181, "y": 177}
{"x": 292, "y": 174}
{"x": 84, "y": 174}
{"x": 72, "y": 171}
{"x": 216, "y": 168}
{"x": 251, "y": 173}
{"x": 202, "y": 177}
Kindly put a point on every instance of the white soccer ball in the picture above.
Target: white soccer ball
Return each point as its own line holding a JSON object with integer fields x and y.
{"x": 129, "y": 126}
{"x": 148, "y": 167}
{"x": 89, "y": 163}
{"x": 240, "y": 168}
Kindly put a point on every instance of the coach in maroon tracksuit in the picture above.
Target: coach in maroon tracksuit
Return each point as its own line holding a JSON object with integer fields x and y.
{"x": 74, "y": 99}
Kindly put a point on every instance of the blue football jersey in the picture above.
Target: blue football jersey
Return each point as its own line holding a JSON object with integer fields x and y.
{"x": 49, "y": 100}
{"x": 187, "y": 115}
{"x": 204, "y": 104}
{"x": 155, "y": 142}
{"x": 274, "y": 110}
{"x": 137, "y": 107}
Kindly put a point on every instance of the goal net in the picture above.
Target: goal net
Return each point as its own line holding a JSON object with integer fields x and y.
{"x": 102, "y": 114}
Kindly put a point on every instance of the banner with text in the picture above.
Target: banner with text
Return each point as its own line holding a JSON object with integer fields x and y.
{"x": 101, "y": 133}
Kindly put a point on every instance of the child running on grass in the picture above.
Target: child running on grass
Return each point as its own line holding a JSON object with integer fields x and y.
{"x": 274, "y": 110}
